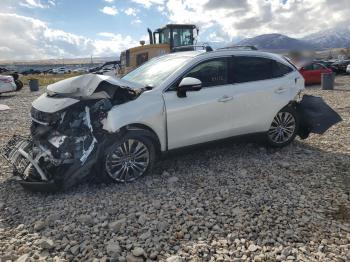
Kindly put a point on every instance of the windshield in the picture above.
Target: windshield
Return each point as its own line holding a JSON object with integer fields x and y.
{"x": 156, "y": 71}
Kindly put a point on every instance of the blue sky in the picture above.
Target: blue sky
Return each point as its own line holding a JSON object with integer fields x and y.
{"x": 40, "y": 29}
{"x": 83, "y": 17}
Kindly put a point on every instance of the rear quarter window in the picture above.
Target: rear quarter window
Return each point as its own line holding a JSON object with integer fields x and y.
{"x": 248, "y": 69}
{"x": 280, "y": 69}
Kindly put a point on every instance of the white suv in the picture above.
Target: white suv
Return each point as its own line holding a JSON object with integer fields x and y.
{"x": 173, "y": 101}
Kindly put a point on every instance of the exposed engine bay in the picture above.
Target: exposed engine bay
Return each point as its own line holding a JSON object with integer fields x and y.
{"x": 64, "y": 144}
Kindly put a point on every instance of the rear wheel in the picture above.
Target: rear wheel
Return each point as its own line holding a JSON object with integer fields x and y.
{"x": 284, "y": 127}
{"x": 131, "y": 157}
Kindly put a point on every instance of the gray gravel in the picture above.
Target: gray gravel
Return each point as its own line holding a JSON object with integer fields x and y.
{"x": 234, "y": 201}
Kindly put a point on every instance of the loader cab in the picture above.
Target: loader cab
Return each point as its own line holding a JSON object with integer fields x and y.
{"x": 162, "y": 41}
{"x": 175, "y": 35}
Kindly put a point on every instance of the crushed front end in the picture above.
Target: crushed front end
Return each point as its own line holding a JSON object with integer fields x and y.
{"x": 60, "y": 144}
{"x": 66, "y": 132}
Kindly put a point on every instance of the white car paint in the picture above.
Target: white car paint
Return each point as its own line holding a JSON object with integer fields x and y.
{"x": 7, "y": 84}
{"x": 348, "y": 69}
{"x": 209, "y": 114}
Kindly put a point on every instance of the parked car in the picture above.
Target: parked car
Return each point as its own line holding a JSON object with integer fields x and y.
{"x": 325, "y": 63}
{"x": 109, "y": 68}
{"x": 118, "y": 127}
{"x": 61, "y": 70}
{"x": 10, "y": 83}
{"x": 80, "y": 70}
{"x": 340, "y": 66}
{"x": 312, "y": 72}
{"x": 3, "y": 69}
{"x": 348, "y": 69}
{"x": 31, "y": 72}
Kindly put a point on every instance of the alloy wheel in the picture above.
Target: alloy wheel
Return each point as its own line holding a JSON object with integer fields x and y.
{"x": 282, "y": 128}
{"x": 128, "y": 161}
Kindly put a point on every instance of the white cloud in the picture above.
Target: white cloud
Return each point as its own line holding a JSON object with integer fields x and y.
{"x": 109, "y": 1}
{"x": 253, "y": 17}
{"x": 109, "y": 10}
{"x": 37, "y": 3}
{"x": 136, "y": 21}
{"x": 29, "y": 38}
{"x": 131, "y": 11}
{"x": 149, "y": 3}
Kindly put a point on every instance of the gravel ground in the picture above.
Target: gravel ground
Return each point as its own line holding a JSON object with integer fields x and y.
{"x": 235, "y": 201}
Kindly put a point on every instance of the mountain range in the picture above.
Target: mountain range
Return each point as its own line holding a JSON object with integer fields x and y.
{"x": 331, "y": 38}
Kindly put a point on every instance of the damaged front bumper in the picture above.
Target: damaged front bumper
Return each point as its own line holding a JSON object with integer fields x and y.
{"x": 18, "y": 152}
{"x": 27, "y": 161}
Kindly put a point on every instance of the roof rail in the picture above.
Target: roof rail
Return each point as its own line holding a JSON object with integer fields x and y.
{"x": 207, "y": 48}
{"x": 240, "y": 47}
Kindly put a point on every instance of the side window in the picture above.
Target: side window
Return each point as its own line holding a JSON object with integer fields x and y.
{"x": 247, "y": 69}
{"x": 317, "y": 67}
{"x": 280, "y": 69}
{"x": 309, "y": 67}
{"x": 211, "y": 73}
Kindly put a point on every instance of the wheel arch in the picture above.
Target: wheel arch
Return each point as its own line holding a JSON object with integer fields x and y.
{"x": 153, "y": 134}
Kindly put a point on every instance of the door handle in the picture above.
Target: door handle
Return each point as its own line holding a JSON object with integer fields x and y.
{"x": 225, "y": 98}
{"x": 280, "y": 90}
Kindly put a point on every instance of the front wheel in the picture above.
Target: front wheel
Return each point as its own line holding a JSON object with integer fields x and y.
{"x": 130, "y": 158}
{"x": 284, "y": 127}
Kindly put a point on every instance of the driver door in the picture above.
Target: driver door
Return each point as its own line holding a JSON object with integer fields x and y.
{"x": 202, "y": 115}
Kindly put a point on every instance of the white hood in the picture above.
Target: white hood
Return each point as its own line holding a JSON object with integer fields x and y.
{"x": 72, "y": 89}
{"x": 85, "y": 85}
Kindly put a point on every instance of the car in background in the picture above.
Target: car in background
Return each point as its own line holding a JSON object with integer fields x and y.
{"x": 340, "y": 66}
{"x": 3, "y": 69}
{"x": 10, "y": 83}
{"x": 312, "y": 72}
{"x": 326, "y": 63}
{"x": 348, "y": 69}
{"x": 109, "y": 68}
{"x": 80, "y": 70}
{"x": 61, "y": 70}
{"x": 31, "y": 72}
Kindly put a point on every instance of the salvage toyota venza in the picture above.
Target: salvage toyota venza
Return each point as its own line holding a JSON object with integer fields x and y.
{"x": 117, "y": 127}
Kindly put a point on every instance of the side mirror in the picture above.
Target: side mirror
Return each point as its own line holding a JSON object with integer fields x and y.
{"x": 188, "y": 84}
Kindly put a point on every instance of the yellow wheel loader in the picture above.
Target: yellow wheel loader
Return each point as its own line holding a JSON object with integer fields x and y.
{"x": 170, "y": 38}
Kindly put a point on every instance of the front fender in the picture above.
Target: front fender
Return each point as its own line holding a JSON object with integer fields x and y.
{"x": 148, "y": 109}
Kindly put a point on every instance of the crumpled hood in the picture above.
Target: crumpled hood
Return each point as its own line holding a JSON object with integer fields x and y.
{"x": 85, "y": 85}
{"x": 68, "y": 92}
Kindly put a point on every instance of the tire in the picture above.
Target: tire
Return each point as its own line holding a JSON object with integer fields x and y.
{"x": 129, "y": 158}
{"x": 19, "y": 85}
{"x": 284, "y": 127}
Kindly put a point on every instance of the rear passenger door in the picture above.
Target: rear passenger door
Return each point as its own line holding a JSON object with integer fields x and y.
{"x": 261, "y": 88}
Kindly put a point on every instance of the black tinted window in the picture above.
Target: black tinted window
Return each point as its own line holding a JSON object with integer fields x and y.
{"x": 246, "y": 69}
{"x": 318, "y": 66}
{"x": 280, "y": 69}
{"x": 211, "y": 73}
{"x": 309, "y": 67}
